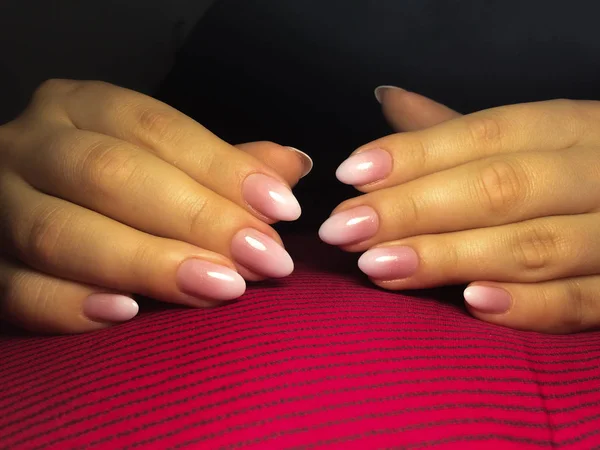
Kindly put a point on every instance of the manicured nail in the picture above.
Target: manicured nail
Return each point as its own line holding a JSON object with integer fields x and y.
{"x": 110, "y": 308}
{"x": 380, "y": 90}
{"x": 270, "y": 197}
{"x": 206, "y": 280}
{"x": 389, "y": 263}
{"x": 365, "y": 167}
{"x": 350, "y": 227}
{"x": 261, "y": 254}
{"x": 489, "y": 300}
{"x": 307, "y": 162}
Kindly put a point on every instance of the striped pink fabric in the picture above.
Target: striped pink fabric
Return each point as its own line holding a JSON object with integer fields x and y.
{"x": 319, "y": 360}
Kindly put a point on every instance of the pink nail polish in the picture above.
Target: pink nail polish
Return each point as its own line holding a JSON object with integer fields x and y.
{"x": 206, "y": 280}
{"x": 110, "y": 308}
{"x": 380, "y": 90}
{"x": 350, "y": 227}
{"x": 487, "y": 299}
{"x": 365, "y": 167}
{"x": 270, "y": 197}
{"x": 389, "y": 263}
{"x": 261, "y": 254}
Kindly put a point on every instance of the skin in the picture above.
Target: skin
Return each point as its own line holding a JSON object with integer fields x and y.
{"x": 74, "y": 178}
{"x": 507, "y": 198}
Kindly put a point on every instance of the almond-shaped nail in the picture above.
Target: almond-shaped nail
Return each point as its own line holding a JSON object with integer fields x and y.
{"x": 307, "y": 162}
{"x": 365, "y": 167}
{"x": 261, "y": 254}
{"x": 380, "y": 91}
{"x": 389, "y": 263}
{"x": 350, "y": 227}
{"x": 487, "y": 299}
{"x": 206, "y": 280}
{"x": 270, "y": 197}
{"x": 110, "y": 308}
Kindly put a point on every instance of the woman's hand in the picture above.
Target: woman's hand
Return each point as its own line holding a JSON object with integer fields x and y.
{"x": 105, "y": 193}
{"x": 506, "y": 199}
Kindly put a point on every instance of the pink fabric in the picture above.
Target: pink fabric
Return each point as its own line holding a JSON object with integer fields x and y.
{"x": 321, "y": 359}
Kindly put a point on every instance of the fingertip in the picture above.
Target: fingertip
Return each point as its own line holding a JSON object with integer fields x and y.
{"x": 290, "y": 163}
{"x": 111, "y": 308}
{"x": 380, "y": 91}
{"x": 488, "y": 299}
{"x": 306, "y": 160}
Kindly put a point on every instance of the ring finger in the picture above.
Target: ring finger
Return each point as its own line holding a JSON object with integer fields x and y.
{"x": 531, "y": 251}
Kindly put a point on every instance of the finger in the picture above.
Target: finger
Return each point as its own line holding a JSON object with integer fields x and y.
{"x": 66, "y": 241}
{"x": 532, "y": 251}
{"x": 185, "y": 144}
{"x": 409, "y": 111}
{"x": 543, "y": 126}
{"x": 278, "y": 158}
{"x": 44, "y": 304}
{"x": 559, "y": 306}
{"x": 133, "y": 187}
{"x": 484, "y": 193}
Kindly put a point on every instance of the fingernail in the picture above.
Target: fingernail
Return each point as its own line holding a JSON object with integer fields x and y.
{"x": 380, "y": 90}
{"x": 261, "y": 254}
{"x": 270, "y": 197}
{"x": 110, "y": 308}
{"x": 389, "y": 263}
{"x": 350, "y": 227}
{"x": 203, "y": 279}
{"x": 365, "y": 167}
{"x": 489, "y": 300}
{"x": 307, "y": 162}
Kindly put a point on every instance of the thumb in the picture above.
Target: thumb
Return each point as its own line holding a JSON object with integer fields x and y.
{"x": 408, "y": 111}
{"x": 290, "y": 163}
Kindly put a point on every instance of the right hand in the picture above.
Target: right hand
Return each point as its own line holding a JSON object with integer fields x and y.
{"x": 106, "y": 193}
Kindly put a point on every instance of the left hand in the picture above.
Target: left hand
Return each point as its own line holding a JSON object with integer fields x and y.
{"x": 506, "y": 199}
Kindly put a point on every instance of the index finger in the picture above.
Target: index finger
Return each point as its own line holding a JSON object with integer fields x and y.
{"x": 183, "y": 143}
{"x": 541, "y": 126}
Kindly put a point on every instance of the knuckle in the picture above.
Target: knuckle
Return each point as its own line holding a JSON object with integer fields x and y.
{"x": 155, "y": 124}
{"x": 53, "y": 86}
{"x": 82, "y": 88}
{"x": 537, "y": 248}
{"x": 418, "y": 152}
{"x": 485, "y": 130}
{"x": 145, "y": 255}
{"x": 197, "y": 214}
{"x": 578, "y": 123}
{"x": 44, "y": 236}
{"x": 577, "y": 302}
{"x": 107, "y": 169}
{"x": 414, "y": 209}
{"x": 500, "y": 186}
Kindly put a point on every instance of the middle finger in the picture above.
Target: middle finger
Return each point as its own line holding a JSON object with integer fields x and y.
{"x": 493, "y": 191}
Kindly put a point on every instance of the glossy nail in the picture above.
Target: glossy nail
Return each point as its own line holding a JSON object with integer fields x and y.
{"x": 110, "y": 308}
{"x": 380, "y": 91}
{"x": 307, "y": 162}
{"x": 365, "y": 167}
{"x": 389, "y": 263}
{"x": 487, "y": 299}
{"x": 270, "y": 197}
{"x": 206, "y": 280}
{"x": 261, "y": 254}
{"x": 350, "y": 227}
